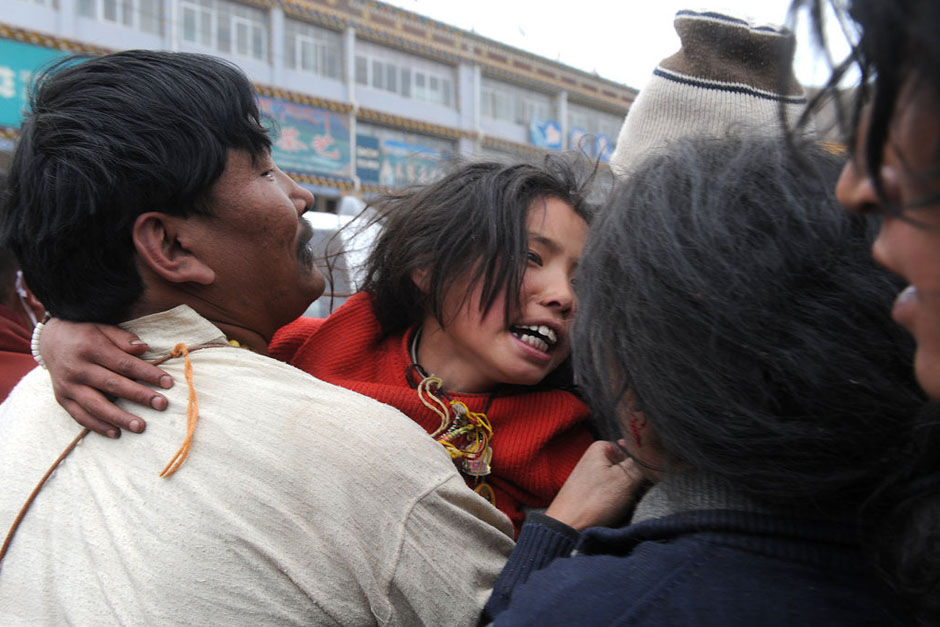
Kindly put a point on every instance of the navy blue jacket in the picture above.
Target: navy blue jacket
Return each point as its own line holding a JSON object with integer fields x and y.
{"x": 718, "y": 567}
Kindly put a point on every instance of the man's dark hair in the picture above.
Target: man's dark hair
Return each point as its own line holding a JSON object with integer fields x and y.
{"x": 105, "y": 140}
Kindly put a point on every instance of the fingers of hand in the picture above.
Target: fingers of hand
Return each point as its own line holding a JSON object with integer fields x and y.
{"x": 615, "y": 454}
{"x": 124, "y": 340}
{"x": 102, "y": 416}
{"x": 82, "y": 397}
{"x": 107, "y": 382}
{"x": 632, "y": 469}
{"x": 133, "y": 368}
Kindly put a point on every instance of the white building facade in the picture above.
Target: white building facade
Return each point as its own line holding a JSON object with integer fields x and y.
{"x": 365, "y": 97}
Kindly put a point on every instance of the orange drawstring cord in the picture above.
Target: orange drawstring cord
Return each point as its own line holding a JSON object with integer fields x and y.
{"x": 192, "y": 414}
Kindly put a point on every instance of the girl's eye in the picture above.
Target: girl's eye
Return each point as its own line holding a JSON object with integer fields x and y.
{"x": 268, "y": 174}
{"x": 534, "y": 258}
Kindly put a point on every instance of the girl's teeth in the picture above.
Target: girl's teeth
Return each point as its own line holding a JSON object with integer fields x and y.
{"x": 543, "y": 331}
{"x": 534, "y": 342}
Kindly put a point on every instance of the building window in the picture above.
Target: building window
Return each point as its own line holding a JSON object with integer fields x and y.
{"x": 503, "y": 101}
{"x": 312, "y": 49}
{"x": 362, "y": 70}
{"x": 144, "y": 15}
{"x": 224, "y": 26}
{"x": 593, "y": 121}
{"x": 405, "y": 74}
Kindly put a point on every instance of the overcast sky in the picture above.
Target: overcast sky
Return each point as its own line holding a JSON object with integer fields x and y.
{"x": 621, "y": 40}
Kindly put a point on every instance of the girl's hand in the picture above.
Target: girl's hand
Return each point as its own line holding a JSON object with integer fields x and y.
{"x": 88, "y": 361}
{"x": 599, "y": 490}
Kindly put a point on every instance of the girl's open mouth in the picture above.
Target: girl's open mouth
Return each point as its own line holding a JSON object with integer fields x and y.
{"x": 537, "y": 336}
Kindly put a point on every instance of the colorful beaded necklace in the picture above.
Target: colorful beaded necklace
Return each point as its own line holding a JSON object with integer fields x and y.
{"x": 465, "y": 434}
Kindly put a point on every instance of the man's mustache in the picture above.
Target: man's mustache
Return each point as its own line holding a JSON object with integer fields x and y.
{"x": 304, "y": 249}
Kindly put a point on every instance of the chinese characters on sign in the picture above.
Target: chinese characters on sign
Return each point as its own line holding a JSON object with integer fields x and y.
{"x": 18, "y": 63}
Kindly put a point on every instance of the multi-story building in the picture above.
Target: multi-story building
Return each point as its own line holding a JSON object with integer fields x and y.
{"x": 365, "y": 96}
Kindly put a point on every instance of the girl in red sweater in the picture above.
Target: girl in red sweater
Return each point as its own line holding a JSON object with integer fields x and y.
{"x": 462, "y": 324}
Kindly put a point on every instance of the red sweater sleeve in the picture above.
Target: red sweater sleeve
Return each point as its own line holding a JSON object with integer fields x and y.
{"x": 288, "y": 338}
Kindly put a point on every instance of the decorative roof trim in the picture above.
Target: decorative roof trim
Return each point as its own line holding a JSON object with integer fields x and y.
{"x": 342, "y": 184}
{"x": 48, "y": 41}
{"x": 383, "y": 23}
{"x": 399, "y": 122}
{"x": 301, "y": 98}
{"x": 496, "y": 142}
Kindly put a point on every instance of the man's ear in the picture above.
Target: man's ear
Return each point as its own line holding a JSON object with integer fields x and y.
{"x": 156, "y": 239}
{"x": 420, "y": 278}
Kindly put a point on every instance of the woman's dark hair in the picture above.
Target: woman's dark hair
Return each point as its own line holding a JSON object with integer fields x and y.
{"x": 470, "y": 225}
{"x": 727, "y": 290}
{"x": 898, "y": 42}
{"x": 107, "y": 139}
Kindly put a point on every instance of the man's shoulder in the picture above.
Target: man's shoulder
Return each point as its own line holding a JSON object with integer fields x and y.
{"x": 270, "y": 376}
{"x": 284, "y": 395}
{"x": 29, "y": 389}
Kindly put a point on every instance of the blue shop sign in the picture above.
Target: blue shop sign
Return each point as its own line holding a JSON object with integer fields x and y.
{"x": 368, "y": 159}
{"x": 545, "y": 134}
{"x": 605, "y": 148}
{"x": 408, "y": 164}
{"x": 18, "y": 63}
{"x": 580, "y": 140}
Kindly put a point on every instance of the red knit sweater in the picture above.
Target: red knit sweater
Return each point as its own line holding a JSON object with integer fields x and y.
{"x": 538, "y": 434}
{"x": 15, "y": 357}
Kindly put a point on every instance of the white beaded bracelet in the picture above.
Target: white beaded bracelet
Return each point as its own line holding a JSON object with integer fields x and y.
{"x": 34, "y": 342}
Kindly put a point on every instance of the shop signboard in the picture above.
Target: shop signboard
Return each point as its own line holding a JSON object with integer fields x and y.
{"x": 368, "y": 159}
{"x": 403, "y": 163}
{"x": 545, "y": 134}
{"x": 18, "y": 62}
{"x": 309, "y": 140}
{"x": 579, "y": 139}
{"x": 604, "y": 147}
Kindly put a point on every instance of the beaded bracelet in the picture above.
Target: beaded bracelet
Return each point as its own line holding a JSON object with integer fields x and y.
{"x": 34, "y": 342}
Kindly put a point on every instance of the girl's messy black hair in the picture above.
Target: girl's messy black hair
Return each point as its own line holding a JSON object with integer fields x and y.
{"x": 467, "y": 229}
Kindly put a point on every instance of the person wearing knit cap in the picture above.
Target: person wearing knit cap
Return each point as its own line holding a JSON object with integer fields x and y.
{"x": 730, "y": 76}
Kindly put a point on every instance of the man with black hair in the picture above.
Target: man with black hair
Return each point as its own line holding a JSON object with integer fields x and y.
{"x": 142, "y": 191}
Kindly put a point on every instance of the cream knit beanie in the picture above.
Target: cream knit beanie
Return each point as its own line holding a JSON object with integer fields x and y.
{"x": 728, "y": 78}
